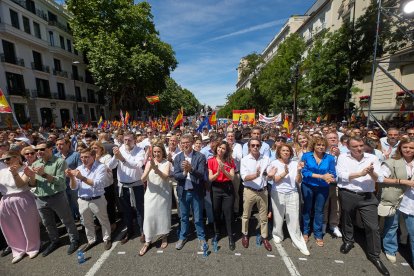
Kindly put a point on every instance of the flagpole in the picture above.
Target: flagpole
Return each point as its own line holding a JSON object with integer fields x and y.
{"x": 14, "y": 117}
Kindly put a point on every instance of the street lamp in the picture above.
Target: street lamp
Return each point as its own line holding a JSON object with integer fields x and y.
{"x": 408, "y": 9}
{"x": 74, "y": 92}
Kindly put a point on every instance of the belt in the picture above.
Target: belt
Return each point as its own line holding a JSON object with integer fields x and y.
{"x": 256, "y": 190}
{"x": 355, "y": 193}
{"x": 90, "y": 198}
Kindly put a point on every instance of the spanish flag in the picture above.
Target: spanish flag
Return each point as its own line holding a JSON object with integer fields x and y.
{"x": 180, "y": 118}
{"x": 213, "y": 119}
{"x": 153, "y": 99}
{"x": 100, "y": 122}
{"x": 126, "y": 118}
{"x": 4, "y": 105}
{"x": 245, "y": 116}
{"x": 286, "y": 124}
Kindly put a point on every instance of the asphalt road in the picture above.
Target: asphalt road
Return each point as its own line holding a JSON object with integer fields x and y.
{"x": 283, "y": 260}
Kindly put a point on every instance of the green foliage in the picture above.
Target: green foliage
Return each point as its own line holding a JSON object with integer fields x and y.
{"x": 241, "y": 99}
{"x": 126, "y": 56}
{"x": 250, "y": 64}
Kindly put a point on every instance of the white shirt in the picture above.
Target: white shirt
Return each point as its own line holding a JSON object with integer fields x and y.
{"x": 237, "y": 155}
{"x": 407, "y": 202}
{"x": 98, "y": 174}
{"x": 288, "y": 183}
{"x": 347, "y": 164}
{"x": 249, "y": 165}
{"x": 188, "y": 183}
{"x": 7, "y": 183}
{"x": 105, "y": 160}
{"x": 386, "y": 147}
{"x": 129, "y": 171}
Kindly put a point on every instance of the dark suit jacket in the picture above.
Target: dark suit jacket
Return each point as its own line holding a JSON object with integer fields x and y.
{"x": 198, "y": 163}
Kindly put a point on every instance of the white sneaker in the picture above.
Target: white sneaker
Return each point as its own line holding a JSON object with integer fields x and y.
{"x": 276, "y": 239}
{"x": 391, "y": 258}
{"x": 324, "y": 228}
{"x": 303, "y": 251}
{"x": 337, "y": 233}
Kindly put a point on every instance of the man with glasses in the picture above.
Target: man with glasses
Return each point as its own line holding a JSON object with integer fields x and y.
{"x": 253, "y": 171}
{"x": 256, "y": 133}
{"x": 410, "y": 132}
{"x": 147, "y": 141}
{"x": 49, "y": 172}
{"x": 129, "y": 158}
{"x": 72, "y": 159}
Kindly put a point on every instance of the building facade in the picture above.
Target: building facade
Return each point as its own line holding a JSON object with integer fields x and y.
{"x": 44, "y": 78}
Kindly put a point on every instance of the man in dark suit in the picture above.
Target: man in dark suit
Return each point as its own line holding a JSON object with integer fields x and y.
{"x": 189, "y": 170}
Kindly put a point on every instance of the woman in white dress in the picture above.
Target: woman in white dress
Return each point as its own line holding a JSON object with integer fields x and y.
{"x": 157, "y": 199}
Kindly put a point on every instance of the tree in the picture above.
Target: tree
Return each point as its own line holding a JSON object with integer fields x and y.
{"x": 241, "y": 99}
{"x": 249, "y": 64}
{"x": 274, "y": 85}
{"x": 126, "y": 57}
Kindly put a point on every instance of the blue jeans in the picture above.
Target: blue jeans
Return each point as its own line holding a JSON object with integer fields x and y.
{"x": 409, "y": 222}
{"x": 190, "y": 199}
{"x": 318, "y": 195}
{"x": 127, "y": 211}
{"x": 389, "y": 240}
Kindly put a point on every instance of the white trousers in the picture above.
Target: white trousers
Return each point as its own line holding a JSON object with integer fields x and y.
{"x": 287, "y": 206}
{"x": 96, "y": 207}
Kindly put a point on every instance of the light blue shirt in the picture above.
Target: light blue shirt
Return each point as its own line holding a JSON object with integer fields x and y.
{"x": 98, "y": 175}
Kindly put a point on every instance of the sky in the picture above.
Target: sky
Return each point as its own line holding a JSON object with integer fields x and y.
{"x": 210, "y": 37}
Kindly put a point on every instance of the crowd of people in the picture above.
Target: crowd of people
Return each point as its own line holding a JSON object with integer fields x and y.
{"x": 319, "y": 179}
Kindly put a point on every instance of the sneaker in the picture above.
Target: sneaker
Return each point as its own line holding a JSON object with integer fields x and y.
{"x": 336, "y": 232}
{"x": 303, "y": 251}
{"x": 324, "y": 228}
{"x": 18, "y": 258}
{"x": 391, "y": 258}
{"x": 180, "y": 244}
{"x": 276, "y": 239}
{"x": 201, "y": 244}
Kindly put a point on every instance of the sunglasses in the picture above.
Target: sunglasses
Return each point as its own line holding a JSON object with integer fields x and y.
{"x": 30, "y": 153}
{"x": 42, "y": 149}
{"x": 255, "y": 145}
{"x": 280, "y": 140}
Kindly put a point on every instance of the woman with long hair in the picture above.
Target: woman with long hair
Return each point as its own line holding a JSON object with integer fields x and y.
{"x": 301, "y": 144}
{"x": 157, "y": 198}
{"x": 221, "y": 173}
{"x": 19, "y": 219}
{"x": 318, "y": 172}
{"x": 397, "y": 197}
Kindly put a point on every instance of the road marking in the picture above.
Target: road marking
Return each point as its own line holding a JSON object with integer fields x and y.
{"x": 271, "y": 256}
{"x": 303, "y": 259}
{"x": 105, "y": 256}
{"x": 160, "y": 251}
{"x": 288, "y": 262}
{"x": 200, "y": 253}
{"x": 404, "y": 264}
{"x": 237, "y": 254}
{"x": 339, "y": 261}
{"x": 121, "y": 252}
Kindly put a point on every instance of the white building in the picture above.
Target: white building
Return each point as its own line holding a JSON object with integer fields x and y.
{"x": 43, "y": 77}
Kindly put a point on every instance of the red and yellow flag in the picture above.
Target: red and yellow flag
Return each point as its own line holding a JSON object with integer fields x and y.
{"x": 180, "y": 118}
{"x": 213, "y": 119}
{"x": 126, "y": 118}
{"x": 153, "y": 99}
{"x": 245, "y": 116}
{"x": 286, "y": 124}
{"x": 4, "y": 105}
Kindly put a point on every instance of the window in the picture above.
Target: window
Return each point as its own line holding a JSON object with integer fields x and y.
{"x": 93, "y": 115}
{"x": 52, "y": 16}
{"x": 57, "y": 64}
{"x": 20, "y": 112}
{"x": 78, "y": 94}
{"x": 51, "y": 38}
{"x": 9, "y": 53}
{"x": 91, "y": 96}
{"x": 75, "y": 74}
{"x": 15, "y": 84}
{"x": 14, "y": 17}
{"x": 69, "y": 43}
{"x": 37, "y": 61}
{"x": 36, "y": 28}
{"x": 30, "y": 5}
{"x": 61, "y": 91}
{"x": 62, "y": 42}
{"x": 26, "y": 25}
{"x": 43, "y": 88}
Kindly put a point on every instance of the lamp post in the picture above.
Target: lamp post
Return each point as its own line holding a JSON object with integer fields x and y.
{"x": 76, "y": 115}
{"x": 408, "y": 8}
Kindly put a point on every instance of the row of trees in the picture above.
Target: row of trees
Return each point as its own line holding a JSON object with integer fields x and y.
{"x": 126, "y": 56}
{"x": 323, "y": 73}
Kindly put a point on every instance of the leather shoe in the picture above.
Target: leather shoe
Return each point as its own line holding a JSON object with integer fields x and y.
{"x": 107, "y": 245}
{"x": 6, "y": 251}
{"x": 52, "y": 247}
{"x": 125, "y": 239}
{"x": 245, "y": 241}
{"x": 346, "y": 247}
{"x": 380, "y": 266}
{"x": 267, "y": 244}
{"x": 72, "y": 247}
{"x": 232, "y": 245}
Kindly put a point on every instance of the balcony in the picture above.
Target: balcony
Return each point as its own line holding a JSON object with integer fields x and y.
{"x": 19, "y": 92}
{"x": 40, "y": 67}
{"x": 91, "y": 100}
{"x": 12, "y": 60}
{"x": 58, "y": 96}
{"x": 76, "y": 77}
{"x": 70, "y": 97}
{"x": 40, "y": 94}
{"x": 62, "y": 74}
{"x": 58, "y": 25}
{"x": 33, "y": 10}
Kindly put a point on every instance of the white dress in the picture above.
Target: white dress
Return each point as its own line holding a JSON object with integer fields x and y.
{"x": 157, "y": 204}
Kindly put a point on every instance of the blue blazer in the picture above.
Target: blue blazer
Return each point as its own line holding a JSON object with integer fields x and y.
{"x": 198, "y": 163}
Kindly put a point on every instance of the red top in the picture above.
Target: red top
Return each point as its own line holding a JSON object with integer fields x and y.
{"x": 213, "y": 166}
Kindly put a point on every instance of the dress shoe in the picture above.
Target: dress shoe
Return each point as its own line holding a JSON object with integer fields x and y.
{"x": 52, "y": 247}
{"x": 267, "y": 244}
{"x": 18, "y": 258}
{"x": 180, "y": 244}
{"x": 380, "y": 266}
{"x": 107, "y": 245}
{"x": 125, "y": 239}
{"x": 33, "y": 254}
{"x": 72, "y": 247}
{"x": 88, "y": 246}
{"x": 6, "y": 251}
{"x": 232, "y": 245}
{"x": 346, "y": 247}
{"x": 245, "y": 241}
{"x": 142, "y": 238}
